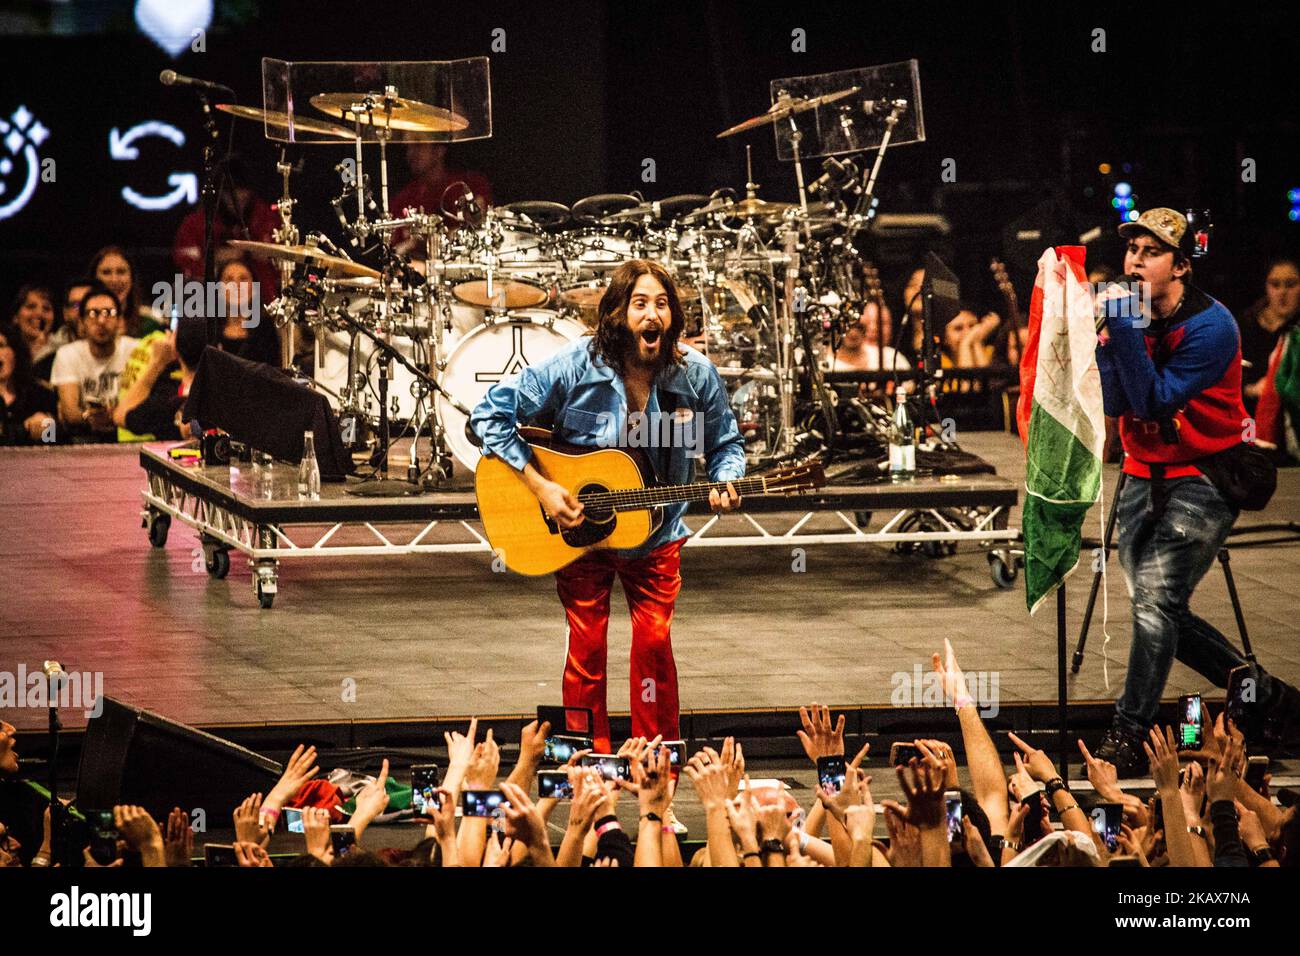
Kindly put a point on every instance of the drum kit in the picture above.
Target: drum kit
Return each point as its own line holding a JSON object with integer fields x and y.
{"x": 464, "y": 295}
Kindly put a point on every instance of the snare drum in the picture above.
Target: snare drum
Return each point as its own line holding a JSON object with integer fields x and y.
{"x": 490, "y": 353}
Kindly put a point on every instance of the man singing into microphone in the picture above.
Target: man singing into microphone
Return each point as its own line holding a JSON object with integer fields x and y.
{"x": 1174, "y": 379}
{"x": 631, "y": 364}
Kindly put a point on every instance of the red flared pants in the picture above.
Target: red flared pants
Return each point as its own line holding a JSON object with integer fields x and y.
{"x": 651, "y": 584}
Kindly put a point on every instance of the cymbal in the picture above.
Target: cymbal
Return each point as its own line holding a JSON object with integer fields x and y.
{"x": 787, "y": 106}
{"x": 540, "y": 211}
{"x": 273, "y": 250}
{"x": 751, "y": 207}
{"x": 602, "y": 205}
{"x": 274, "y": 118}
{"x": 506, "y": 294}
{"x": 406, "y": 114}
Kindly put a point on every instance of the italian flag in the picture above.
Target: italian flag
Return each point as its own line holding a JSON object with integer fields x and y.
{"x": 1060, "y": 419}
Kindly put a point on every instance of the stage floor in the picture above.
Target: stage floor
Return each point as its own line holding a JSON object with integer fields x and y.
{"x": 442, "y": 635}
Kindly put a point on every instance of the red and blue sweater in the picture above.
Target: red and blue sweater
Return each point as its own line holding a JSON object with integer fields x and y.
{"x": 1184, "y": 370}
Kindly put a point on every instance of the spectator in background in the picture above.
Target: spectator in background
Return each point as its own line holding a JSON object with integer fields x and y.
{"x": 65, "y": 330}
{"x": 27, "y": 408}
{"x": 151, "y": 406}
{"x": 1265, "y": 322}
{"x": 241, "y": 214}
{"x": 112, "y": 268}
{"x": 86, "y": 372}
{"x": 32, "y": 314}
{"x": 247, "y": 332}
{"x": 432, "y": 174}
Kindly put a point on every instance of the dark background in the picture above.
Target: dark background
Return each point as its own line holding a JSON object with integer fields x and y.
{"x": 585, "y": 91}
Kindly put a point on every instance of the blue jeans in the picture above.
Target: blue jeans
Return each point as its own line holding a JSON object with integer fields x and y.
{"x": 1163, "y": 561}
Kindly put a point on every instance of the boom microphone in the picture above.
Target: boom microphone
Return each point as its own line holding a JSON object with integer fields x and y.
{"x": 172, "y": 78}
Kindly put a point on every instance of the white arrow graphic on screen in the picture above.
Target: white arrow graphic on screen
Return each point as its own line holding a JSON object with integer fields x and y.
{"x": 187, "y": 188}
{"x": 119, "y": 144}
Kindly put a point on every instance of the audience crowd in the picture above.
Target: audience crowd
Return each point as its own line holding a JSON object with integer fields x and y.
{"x": 1203, "y": 812}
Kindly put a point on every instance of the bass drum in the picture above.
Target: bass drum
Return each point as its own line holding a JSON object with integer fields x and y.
{"x": 490, "y": 353}
{"x": 332, "y": 373}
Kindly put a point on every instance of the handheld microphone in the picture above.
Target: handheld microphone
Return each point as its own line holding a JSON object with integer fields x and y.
{"x": 172, "y": 78}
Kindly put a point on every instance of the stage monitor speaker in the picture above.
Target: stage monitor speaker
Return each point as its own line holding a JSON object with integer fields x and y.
{"x": 133, "y": 756}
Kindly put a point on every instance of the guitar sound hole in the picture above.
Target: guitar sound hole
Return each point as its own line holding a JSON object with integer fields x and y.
{"x": 598, "y": 515}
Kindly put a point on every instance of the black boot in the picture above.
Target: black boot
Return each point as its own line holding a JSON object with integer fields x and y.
{"x": 1279, "y": 711}
{"x": 1124, "y": 751}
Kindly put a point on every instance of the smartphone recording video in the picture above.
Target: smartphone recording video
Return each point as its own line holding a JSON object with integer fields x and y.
{"x": 425, "y": 779}
{"x": 610, "y": 766}
{"x": 676, "y": 752}
{"x": 483, "y": 803}
{"x": 554, "y": 784}
{"x": 1190, "y": 729}
{"x": 830, "y": 773}
{"x": 1106, "y": 820}
{"x": 293, "y": 819}
{"x": 561, "y": 747}
{"x": 901, "y": 754}
{"x": 952, "y": 810}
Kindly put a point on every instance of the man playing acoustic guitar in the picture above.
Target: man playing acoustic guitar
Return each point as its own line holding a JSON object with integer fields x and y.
{"x": 631, "y": 365}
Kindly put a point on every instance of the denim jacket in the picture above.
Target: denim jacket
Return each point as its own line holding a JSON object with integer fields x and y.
{"x": 589, "y": 407}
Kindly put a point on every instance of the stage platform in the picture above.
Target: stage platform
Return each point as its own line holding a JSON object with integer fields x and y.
{"x": 432, "y": 637}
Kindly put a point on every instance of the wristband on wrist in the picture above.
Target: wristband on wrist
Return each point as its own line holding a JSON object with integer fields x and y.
{"x": 610, "y": 824}
{"x": 1053, "y": 785}
{"x": 753, "y": 853}
{"x": 965, "y": 700}
{"x": 270, "y": 813}
{"x": 652, "y": 816}
{"x": 1261, "y": 856}
{"x": 773, "y": 846}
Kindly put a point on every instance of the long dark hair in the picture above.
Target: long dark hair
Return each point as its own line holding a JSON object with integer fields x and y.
{"x": 612, "y": 340}
{"x": 130, "y": 308}
{"x": 21, "y": 379}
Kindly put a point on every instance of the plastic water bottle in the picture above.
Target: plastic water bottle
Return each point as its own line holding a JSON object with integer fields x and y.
{"x": 309, "y": 470}
{"x": 902, "y": 445}
{"x": 263, "y": 475}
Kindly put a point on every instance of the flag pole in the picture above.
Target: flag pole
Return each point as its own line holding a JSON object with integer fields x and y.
{"x": 1063, "y": 741}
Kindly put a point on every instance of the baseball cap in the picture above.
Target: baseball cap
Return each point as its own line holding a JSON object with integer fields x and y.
{"x": 1167, "y": 225}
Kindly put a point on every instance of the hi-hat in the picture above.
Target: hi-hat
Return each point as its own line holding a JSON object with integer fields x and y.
{"x": 396, "y": 113}
{"x": 284, "y": 121}
{"x": 751, "y": 207}
{"x": 310, "y": 254}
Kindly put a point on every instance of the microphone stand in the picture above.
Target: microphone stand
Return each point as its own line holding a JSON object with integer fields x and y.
{"x": 56, "y": 808}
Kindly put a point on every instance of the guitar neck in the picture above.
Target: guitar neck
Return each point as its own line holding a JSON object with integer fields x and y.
{"x": 634, "y": 499}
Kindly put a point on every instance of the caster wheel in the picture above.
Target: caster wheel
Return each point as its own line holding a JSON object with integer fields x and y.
{"x": 264, "y": 597}
{"x": 218, "y": 563}
{"x": 1003, "y": 573}
{"x": 158, "y": 529}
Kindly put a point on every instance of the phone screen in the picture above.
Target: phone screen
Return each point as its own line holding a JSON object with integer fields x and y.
{"x": 342, "y": 838}
{"x": 901, "y": 754}
{"x": 1240, "y": 696}
{"x": 676, "y": 752}
{"x": 952, "y": 807}
{"x": 483, "y": 803}
{"x": 1189, "y": 722}
{"x": 103, "y": 836}
{"x": 293, "y": 819}
{"x": 610, "y": 766}
{"x": 554, "y": 784}
{"x": 424, "y": 788}
{"x": 561, "y": 747}
{"x": 830, "y": 773}
{"x": 1106, "y": 820}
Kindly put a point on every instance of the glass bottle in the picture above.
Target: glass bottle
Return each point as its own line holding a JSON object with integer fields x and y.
{"x": 309, "y": 470}
{"x": 902, "y": 445}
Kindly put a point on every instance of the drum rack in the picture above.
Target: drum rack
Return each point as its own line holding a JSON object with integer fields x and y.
{"x": 272, "y": 525}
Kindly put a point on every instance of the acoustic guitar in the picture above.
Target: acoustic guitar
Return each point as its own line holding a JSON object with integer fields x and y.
{"x": 621, "y": 502}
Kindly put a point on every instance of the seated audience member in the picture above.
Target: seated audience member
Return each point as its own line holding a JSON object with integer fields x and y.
{"x": 1277, "y": 416}
{"x": 86, "y": 372}
{"x": 1264, "y": 323}
{"x": 972, "y": 347}
{"x": 112, "y": 268}
{"x": 32, "y": 315}
{"x": 150, "y": 406}
{"x": 27, "y": 408}
{"x": 65, "y": 329}
{"x": 865, "y": 343}
{"x": 248, "y": 332}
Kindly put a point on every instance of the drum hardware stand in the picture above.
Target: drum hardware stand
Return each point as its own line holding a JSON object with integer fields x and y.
{"x": 286, "y": 234}
{"x": 385, "y": 486}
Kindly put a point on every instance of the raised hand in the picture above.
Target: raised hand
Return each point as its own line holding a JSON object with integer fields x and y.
{"x": 372, "y": 800}
{"x": 1162, "y": 753}
{"x": 1021, "y": 783}
{"x": 923, "y": 787}
{"x": 1225, "y": 772}
{"x": 651, "y": 778}
{"x": 819, "y": 737}
{"x": 249, "y": 826}
{"x": 941, "y": 757}
{"x": 497, "y": 853}
{"x": 710, "y": 782}
{"x": 460, "y": 747}
{"x": 300, "y": 768}
{"x": 588, "y": 797}
{"x": 1102, "y": 775}
{"x": 141, "y": 833}
{"x": 743, "y": 816}
{"x": 733, "y": 760}
{"x": 955, "y": 687}
{"x": 481, "y": 773}
{"x": 1130, "y": 841}
{"x": 1192, "y": 792}
{"x": 178, "y": 839}
{"x": 1036, "y": 762}
{"x": 974, "y": 844}
{"x": 316, "y": 831}
{"x": 904, "y": 837}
